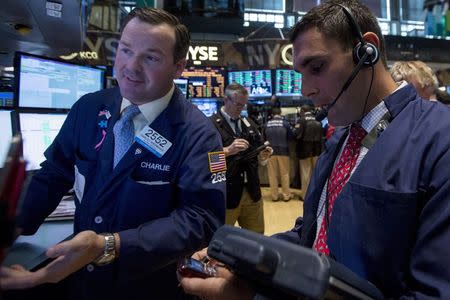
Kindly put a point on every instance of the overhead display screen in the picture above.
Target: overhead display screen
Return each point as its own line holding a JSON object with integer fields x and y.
{"x": 288, "y": 83}
{"x": 257, "y": 82}
{"x": 205, "y": 82}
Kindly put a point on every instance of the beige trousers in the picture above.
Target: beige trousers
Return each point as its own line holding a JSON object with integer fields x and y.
{"x": 249, "y": 214}
{"x": 278, "y": 167}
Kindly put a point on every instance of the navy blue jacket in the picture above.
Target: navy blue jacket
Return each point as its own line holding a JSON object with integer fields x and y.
{"x": 278, "y": 132}
{"x": 391, "y": 221}
{"x": 162, "y": 208}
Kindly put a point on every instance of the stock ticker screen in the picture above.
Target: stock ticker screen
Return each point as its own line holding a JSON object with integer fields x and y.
{"x": 288, "y": 83}
{"x": 257, "y": 82}
{"x": 6, "y": 99}
{"x": 5, "y": 137}
{"x": 38, "y": 131}
{"x": 205, "y": 82}
{"x": 49, "y": 83}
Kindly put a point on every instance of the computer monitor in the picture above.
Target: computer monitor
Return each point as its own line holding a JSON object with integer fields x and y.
{"x": 38, "y": 132}
{"x": 43, "y": 82}
{"x": 257, "y": 82}
{"x": 182, "y": 84}
{"x": 205, "y": 82}
{"x": 6, "y": 99}
{"x": 288, "y": 83}
{"x": 208, "y": 106}
{"x": 6, "y": 135}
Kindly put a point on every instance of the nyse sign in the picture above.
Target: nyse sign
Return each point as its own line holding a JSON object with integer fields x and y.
{"x": 204, "y": 55}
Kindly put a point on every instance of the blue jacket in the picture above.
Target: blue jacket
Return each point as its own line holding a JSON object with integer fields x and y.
{"x": 162, "y": 208}
{"x": 391, "y": 221}
{"x": 278, "y": 131}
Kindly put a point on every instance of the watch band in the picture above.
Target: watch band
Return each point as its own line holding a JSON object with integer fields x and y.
{"x": 109, "y": 252}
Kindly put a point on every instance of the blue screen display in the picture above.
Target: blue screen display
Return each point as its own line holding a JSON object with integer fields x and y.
{"x": 7, "y": 99}
{"x": 47, "y": 83}
{"x": 182, "y": 84}
{"x": 207, "y": 106}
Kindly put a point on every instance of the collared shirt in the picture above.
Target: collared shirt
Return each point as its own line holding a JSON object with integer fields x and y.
{"x": 368, "y": 123}
{"x": 231, "y": 123}
{"x": 149, "y": 111}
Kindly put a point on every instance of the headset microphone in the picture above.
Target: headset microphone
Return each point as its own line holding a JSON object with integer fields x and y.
{"x": 324, "y": 112}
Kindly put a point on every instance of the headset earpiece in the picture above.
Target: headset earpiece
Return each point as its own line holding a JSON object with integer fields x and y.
{"x": 362, "y": 47}
{"x": 370, "y": 49}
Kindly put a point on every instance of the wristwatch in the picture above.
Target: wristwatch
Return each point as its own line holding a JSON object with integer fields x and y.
{"x": 109, "y": 253}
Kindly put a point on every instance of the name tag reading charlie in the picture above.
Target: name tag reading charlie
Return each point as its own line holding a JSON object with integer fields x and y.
{"x": 153, "y": 141}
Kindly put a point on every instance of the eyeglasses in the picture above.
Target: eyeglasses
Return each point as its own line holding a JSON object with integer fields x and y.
{"x": 238, "y": 102}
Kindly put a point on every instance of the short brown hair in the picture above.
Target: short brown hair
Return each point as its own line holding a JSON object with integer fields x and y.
{"x": 330, "y": 19}
{"x": 158, "y": 16}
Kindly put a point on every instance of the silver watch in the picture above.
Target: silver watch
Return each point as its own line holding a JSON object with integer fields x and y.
{"x": 109, "y": 252}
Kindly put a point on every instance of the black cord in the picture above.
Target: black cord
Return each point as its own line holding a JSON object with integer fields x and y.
{"x": 368, "y": 94}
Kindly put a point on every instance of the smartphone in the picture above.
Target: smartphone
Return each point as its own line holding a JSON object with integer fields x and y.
{"x": 190, "y": 267}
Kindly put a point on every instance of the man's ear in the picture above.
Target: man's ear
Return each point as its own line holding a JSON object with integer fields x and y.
{"x": 371, "y": 37}
{"x": 180, "y": 65}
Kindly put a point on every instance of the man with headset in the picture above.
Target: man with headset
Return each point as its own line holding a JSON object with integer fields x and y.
{"x": 379, "y": 198}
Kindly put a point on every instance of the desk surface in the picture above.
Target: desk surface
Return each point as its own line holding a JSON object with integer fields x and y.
{"x": 29, "y": 251}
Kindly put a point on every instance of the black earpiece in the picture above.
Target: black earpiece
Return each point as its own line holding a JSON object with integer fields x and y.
{"x": 362, "y": 47}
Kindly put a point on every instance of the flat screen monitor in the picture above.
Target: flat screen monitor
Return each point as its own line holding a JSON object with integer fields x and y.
{"x": 448, "y": 89}
{"x": 288, "y": 83}
{"x": 6, "y": 135}
{"x": 257, "y": 82}
{"x": 38, "y": 132}
{"x": 48, "y": 83}
{"x": 182, "y": 84}
{"x": 207, "y": 106}
{"x": 205, "y": 82}
{"x": 6, "y": 99}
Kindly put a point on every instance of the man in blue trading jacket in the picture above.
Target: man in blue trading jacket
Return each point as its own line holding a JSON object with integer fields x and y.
{"x": 137, "y": 215}
{"x": 388, "y": 221}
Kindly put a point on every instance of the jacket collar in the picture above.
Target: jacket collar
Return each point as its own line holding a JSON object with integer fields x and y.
{"x": 398, "y": 100}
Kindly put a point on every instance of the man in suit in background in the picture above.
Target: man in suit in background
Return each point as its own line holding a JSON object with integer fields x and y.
{"x": 142, "y": 162}
{"x": 239, "y": 136}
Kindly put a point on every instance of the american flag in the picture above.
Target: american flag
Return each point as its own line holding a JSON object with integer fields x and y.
{"x": 217, "y": 162}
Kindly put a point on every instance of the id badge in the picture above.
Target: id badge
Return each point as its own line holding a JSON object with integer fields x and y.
{"x": 153, "y": 141}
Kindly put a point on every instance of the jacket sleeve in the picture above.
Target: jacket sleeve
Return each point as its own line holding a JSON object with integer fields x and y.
{"x": 429, "y": 263}
{"x": 55, "y": 178}
{"x": 293, "y": 235}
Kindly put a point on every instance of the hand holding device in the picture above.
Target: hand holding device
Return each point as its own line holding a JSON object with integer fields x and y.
{"x": 191, "y": 267}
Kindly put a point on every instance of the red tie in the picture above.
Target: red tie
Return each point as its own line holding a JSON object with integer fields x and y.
{"x": 339, "y": 177}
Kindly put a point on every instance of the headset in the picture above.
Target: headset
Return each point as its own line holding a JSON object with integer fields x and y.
{"x": 364, "y": 55}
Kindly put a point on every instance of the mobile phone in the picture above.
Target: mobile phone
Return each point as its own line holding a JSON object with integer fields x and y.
{"x": 190, "y": 267}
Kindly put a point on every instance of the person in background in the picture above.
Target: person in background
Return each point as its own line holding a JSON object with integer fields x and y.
{"x": 141, "y": 160}
{"x": 419, "y": 75}
{"x": 379, "y": 198}
{"x": 309, "y": 133}
{"x": 278, "y": 131}
{"x": 239, "y": 136}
